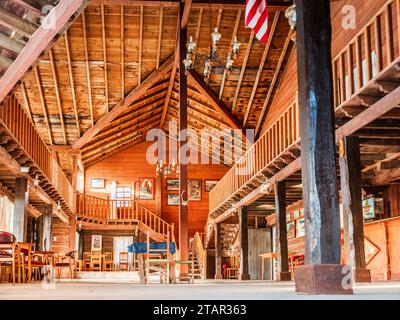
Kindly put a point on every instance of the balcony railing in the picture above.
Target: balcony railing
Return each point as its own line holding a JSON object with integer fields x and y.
{"x": 121, "y": 210}
{"x": 19, "y": 126}
{"x": 281, "y": 135}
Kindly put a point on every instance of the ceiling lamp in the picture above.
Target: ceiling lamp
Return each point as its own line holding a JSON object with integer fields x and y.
{"x": 36, "y": 181}
{"x": 167, "y": 169}
{"x": 291, "y": 15}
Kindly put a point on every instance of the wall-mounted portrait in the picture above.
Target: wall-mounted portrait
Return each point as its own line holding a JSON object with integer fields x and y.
{"x": 194, "y": 189}
{"x": 173, "y": 199}
{"x": 97, "y": 183}
{"x": 291, "y": 230}
{"x": 172, "y": 185}
{"x": 97, "y": 242}
{"x": 146, "y": 188}
{"x": 209, "y": 185}
{"x": 300, "y": 228}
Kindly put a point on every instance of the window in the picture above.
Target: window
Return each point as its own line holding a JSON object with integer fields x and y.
{"x": 124, "y": 194}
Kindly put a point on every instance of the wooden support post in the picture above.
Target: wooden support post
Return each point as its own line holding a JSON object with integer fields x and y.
{"x": 350, "y": 177}
{"x": 21, "y": 209}
{"x": 44, "y": 230}
{"x": 283, "y": 273}
{"x": 72, "y": 232}
{"x": 183, "y": 178}
{"x": 244, "y": 244}
{"x": 322, "y": 273}
{"x": 218, "y": 260}
{"x": 158, "y": 194}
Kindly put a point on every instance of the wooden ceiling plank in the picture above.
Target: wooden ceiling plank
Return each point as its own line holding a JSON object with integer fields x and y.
{"x": 89, "y": 83}
{"x": 72, "y": 83}
{"x": 57, "y": 92}
{"x": 243, "y": 70}
{"x": 122, "y": 40}
{"x": 261, "y": 66}
{"x": 140, "y": 46}
{"x": 43, "y": 103}
{"x": 11, "y": 44}
{"x": 274, "y": 80}
{"x": 26, "y": 101}
{"x": 160, "y": 28}
{"x": 103, "y": 34}
{"x": 234, "y": 34}
{"x": 5, "y": 62}
{"x": 43, "y": 37}
{"x": 213, "y": 99}
{"x": 135, "y": 94}
{"x": 197, "y": 34}
{"x": 15, "y": 23}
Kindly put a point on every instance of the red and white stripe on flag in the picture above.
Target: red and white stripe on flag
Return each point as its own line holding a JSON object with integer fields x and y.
{"x": 257, "y": 18}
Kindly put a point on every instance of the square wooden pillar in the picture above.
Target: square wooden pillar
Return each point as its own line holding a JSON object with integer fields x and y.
{"x": 21, "y": 209}
{"x": 283, "y": 273}
{"x": 350, "y": 177}
{"x": 44, "y": 229}
{"x": 218, "y": 259}
{"x": 244, "y": 244}
{"x": 322, "y": 272}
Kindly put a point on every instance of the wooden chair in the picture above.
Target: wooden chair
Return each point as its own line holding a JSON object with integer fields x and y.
{"x": 24, "y": 261}
{"x": 232, "y": 272}
{"x": 108, "y": 263}
{"x": 64, "y": 261}
{"x": 123, "y": 264}
{"x": 96, "y": 261}
{"x": 7, "y": 253}
{"x": 86, "y": 261}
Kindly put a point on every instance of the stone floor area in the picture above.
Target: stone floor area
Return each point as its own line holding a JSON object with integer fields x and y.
{"x": 201, "y": 290}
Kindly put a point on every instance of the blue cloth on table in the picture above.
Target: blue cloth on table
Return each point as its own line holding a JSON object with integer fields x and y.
{"x": 141, "y": 247}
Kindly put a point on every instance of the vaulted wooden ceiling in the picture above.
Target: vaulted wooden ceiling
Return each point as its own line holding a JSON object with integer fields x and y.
{"x": 112, "y": 48}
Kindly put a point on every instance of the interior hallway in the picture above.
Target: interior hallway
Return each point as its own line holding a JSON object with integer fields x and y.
{"x": 201, "y": 290}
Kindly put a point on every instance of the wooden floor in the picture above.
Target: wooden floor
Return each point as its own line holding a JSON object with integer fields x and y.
{"x": 206, "y": 290}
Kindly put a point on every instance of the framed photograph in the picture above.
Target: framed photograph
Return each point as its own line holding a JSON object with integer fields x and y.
{"x": 209, "y": 185}
{"x": 296, "y": 214}
{"x": 291, "y": 230}
{"x": 97, "y": 242}
{"x": 288, "y": 217}
{"x": 173, "y": 199}
{"x": 194, "y": 189}
{"x": 97, "y": 183}
{"x": 146, "y": 188}
{"x": 300, "y": 228}
{"x": 172, "y": 185}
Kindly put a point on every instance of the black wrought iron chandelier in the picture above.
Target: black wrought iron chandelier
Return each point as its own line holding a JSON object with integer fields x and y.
{"x": 210, "y": 60}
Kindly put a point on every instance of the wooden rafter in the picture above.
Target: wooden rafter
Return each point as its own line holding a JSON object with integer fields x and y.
{"x": 57, "y": 92}
{"x": 197, "y": 34}
{"x": 14, "y": 22}
{"x": 11, "y": 44}
{"x": 43, "y": 103}
{"x": 122, "y": 40}
{"x": 140, "y": 46}
{"x": 71, "y": 81}
{"x": 26, "y": 101}
{"x": 88, "y": 81}
{"x": 160, "y": 28}
{"x": 243, "y": 70}
{"x": 103, "y": 33}
{"x": 39, "y": 42}
{"x": 135, "y": 94}
{"x": 264, "y": 110}
{"x": 261, "y": 66}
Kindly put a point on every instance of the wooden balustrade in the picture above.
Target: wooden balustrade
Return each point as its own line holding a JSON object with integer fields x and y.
{"x": 14, "y": 119}
{"x": 281, "y": 135}
{"x": 373, "y": 49}
{"x": 121, "y": 210}
{"x": 201, "y": 253}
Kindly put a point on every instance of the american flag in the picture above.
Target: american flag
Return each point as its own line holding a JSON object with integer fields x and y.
{"x": 257, "y": 18}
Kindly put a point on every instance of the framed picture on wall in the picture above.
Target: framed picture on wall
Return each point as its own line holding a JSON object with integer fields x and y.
{"x": 173, "y": 199}
{"x": 97, "y": 183}
{"x": 194, "y": 189}
{"x": 300, "y": 228}
{"x": 146, "y": 188}
{"x": 209, "y": 185}
{"x": 97, "y": 242}
{"x": 172, "y": 185}
{"x": 291, "y": 229}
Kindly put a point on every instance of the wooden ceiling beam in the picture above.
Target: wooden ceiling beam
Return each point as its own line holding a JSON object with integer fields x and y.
{"x": 261, "y": 66}
{"x": 58, "y": 97}
{"x": 264, "y": 110}
{"x": 88, "y": 80}
{"x": 122, "y": 41}
{"x": 15, "y": 23}
{"x": 140, "y": 46}
{"x": 136, "y": 93}
{"x": 103, "y": 35}
{"x": 213, "y": 99}
{"x": 62, "y": 15}
{"x": 11, "y": 44}
{"x": 160, "y": 28}
{"x": 64, "y": 149}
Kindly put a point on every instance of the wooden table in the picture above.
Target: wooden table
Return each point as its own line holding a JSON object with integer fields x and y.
{"x": 271, "y": 256}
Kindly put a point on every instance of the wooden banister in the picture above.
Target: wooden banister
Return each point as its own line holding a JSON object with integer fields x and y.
{"x": 201, "y": 253}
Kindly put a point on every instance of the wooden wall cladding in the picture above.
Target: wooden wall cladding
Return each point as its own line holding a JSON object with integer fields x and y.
{"x": 287, "y": 89}
{"x": 60, "y": 236}
{"x": 392, "y": 201}
{"x": 107, "y": 238}
{"x": 129, "y": 165}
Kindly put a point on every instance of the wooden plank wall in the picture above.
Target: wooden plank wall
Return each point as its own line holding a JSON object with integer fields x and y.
{"x": 392, "y": 201}
{"x": 259, "y": 242}
{"x": 287, "y": 89}
{"x": 129, "y": 165}
{"x": 107, "y": 239}
{"x": 60, "y": 236}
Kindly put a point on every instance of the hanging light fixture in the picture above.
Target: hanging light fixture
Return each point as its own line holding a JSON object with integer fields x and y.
{"x": 291, "y": 15}
{"x": 167, "y": 169}
{"x": 36, "y": 181}
{"x": 58, "y": 207}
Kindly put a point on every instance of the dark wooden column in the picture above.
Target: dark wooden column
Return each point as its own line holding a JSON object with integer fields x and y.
{"x": 283, "y": 273}
{"x": 218, "y": 259}
{"x": 350, "y": 177}
{"x": 21, "y": 209}
{"x": 159, "y": 181}
{"x": 244, "y": 244}
{"x": 72, "y": 234}
{"x": 322, "y": 272}
{"x": 44, "y": 230}
{"x": 183, "y": 177}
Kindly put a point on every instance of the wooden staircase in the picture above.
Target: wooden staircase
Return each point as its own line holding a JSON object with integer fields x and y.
{"x": 121, "y": 214}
